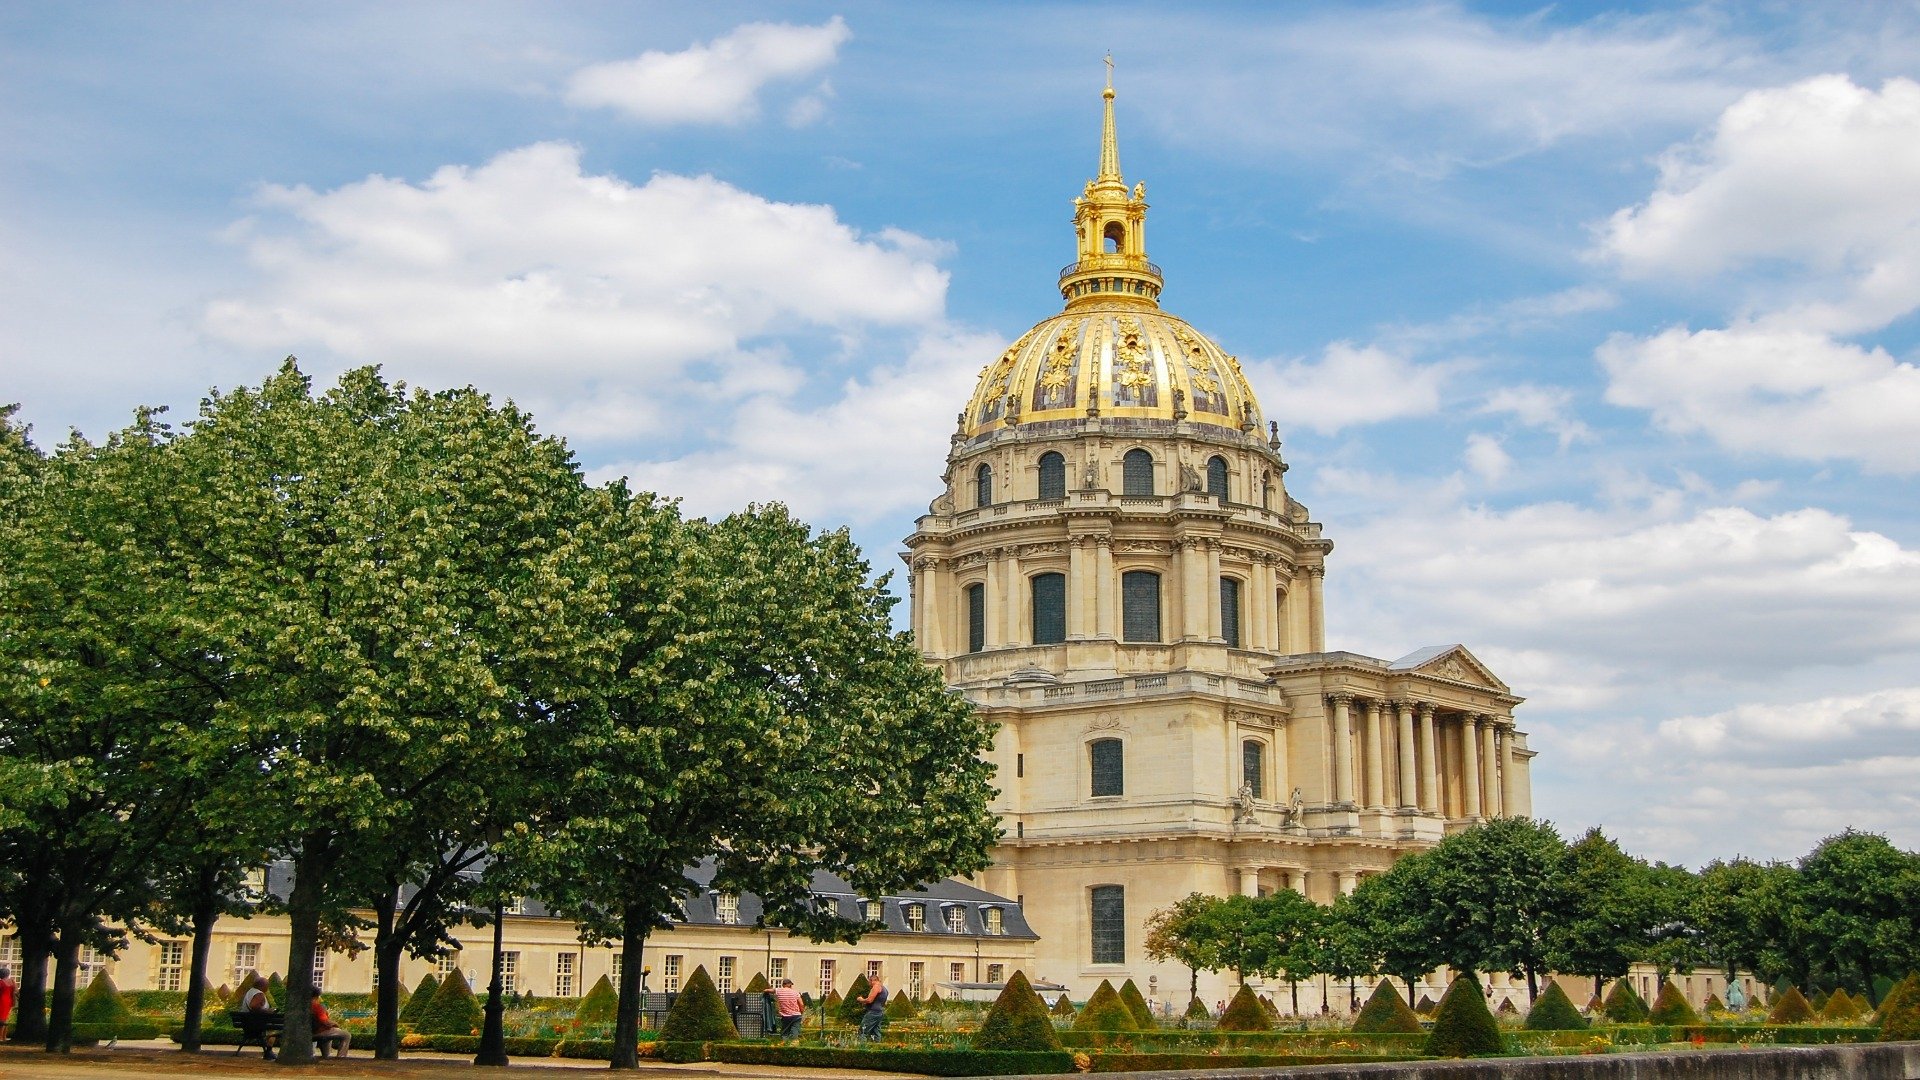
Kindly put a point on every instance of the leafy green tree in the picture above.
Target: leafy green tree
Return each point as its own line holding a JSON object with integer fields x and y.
{"x": 1463, "y": 1027}
{"x": 1397, "y": 921}
{"x": 1673, "y": 941}
{"x": 1857, "y": 899}
{"x": 1742, "y": 911}
{"x": 699, "y": 1014}
{"x": 1497, "y": 888}
{"x": 1017, "y": 1021}
{"x": 1604, "y": 919}
{"x": 1174, "y": 933}
{"x": 758, "y": 710}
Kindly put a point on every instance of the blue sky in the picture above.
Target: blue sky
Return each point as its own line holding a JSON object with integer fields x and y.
{"x": 1588, "y": 327}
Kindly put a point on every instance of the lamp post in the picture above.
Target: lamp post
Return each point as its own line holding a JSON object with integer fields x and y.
{"x": 493, "y": 1034}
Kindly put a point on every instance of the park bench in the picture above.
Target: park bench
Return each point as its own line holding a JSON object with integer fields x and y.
{"x": 257, "y": 1027}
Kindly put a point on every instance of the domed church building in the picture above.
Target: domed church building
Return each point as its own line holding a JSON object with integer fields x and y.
{"x": 1116, "y": 575}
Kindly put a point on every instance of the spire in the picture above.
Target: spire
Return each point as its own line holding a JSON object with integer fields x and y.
{"x": 1109, "y": 145}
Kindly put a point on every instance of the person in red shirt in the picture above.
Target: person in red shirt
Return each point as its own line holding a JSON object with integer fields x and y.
{"x": 7, "y": 990}
{"x": 325, "y": 1032}
{"x": 786, "y": 1002}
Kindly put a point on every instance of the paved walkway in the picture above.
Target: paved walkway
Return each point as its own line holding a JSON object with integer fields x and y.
{"x": 129, "y": 1061}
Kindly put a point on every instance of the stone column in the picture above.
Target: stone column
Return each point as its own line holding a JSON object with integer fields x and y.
{"x": 1376, "y": 761}
{"x": 1079, "y": 578}
{"x": 1299, "y": 880}
{"x": 1348, "y": 880}
{"x": 1253, "y": 609}
{"x": 1210, "y": 590}
{"x": 1193, "y": 589}
{"x": 1106, "y": 589}
{"x": 1489, "y": 767}
{"x": 1470, "y": 766}
{"x": 1409, "y": 788}
{"x": 1509, "y": 785}
{"x": 1429, "y": 761}
{"x": 996, "y": 619}
{"x": 1317, "y": 612}
{"x": 1250, "y": 881}
{"x": 1015, "y": 599}
{"x": 1276, "y": 595}
{"x": 1342, "y": 749}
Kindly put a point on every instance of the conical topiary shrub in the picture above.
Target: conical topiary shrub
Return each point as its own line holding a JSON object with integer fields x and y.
{"x": 1244, "y": 1013}
{"x": 1387, "y": 1011}
{"x": 422, "y": 997}
{"x": 698, "y": 1014}
{"x": 832, "y": 1001}
{"x": 453, "y": 1010}
{"x": 1838, "y": 1006}
{"x": 1790, "y": 1008}
{"x": 600, "y": 1004}
{"x": 1900, "y": 1012}
{"x": 1273, "y": 1011}
{"x": 1463, "y": 1027}
{"x": 1671, "y": 1007}
{"x": 1555, "y": 1012}
{"x": 1818, "y": 1001}
{"x": 1507, "y": 1008}
{"x": 1062, "y": 1007}
{"x": 277, "y": 990}
{"x": 1104, "y": 1011}
{"x": 100, "y": 1003}
{"x": 900, "y": 1007}
{"x": 1017, "y": 1021}
{"x": 1623, "y": 1005}
{"x": 1426, "y": 1007}
{"x": 1197, "y": 1010}
{"x": 1882, "y": 986}
{"x": 758, "y": 984}
{"x": 1137, "y": 1005}
{"x": 1780, "y": 989}
{"x": 850, "y": 1007}
{"x": 1713, "y": 1004}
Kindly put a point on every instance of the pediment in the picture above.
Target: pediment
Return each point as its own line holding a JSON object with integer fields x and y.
{"x": 1453, "y": 663}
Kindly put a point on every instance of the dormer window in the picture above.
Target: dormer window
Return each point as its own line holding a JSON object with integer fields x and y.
{"x": 726, "y": 908}
{"x": 870, "y": 910}
{"x": 957, "y": 919}
{"x": 995, "y": 920}
{"x": 916, "y": 916}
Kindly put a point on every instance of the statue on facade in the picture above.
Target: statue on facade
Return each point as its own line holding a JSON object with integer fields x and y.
{"x": 1296, "y": 806}
{"x": 1190, "y": 478}
{"x": 1091, "y": 478}
{"x": 1243, "y": 803}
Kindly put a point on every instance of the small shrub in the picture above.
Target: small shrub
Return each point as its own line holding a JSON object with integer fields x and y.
{"x": 1104, "y": 1011}
{"x": 1463, "y": 1027}
{"x": 1244, "y": 1013}
{"x": 1900, "y": 1013}
{"x": 699, "y": 1014}
{"x": 1137, "y": 1005}
{"x": 1882, "y": 986}
{"x": 1197, "y": 1010}
{"x": 1714, "y": 1004}
{"x": 901, "y": 1007}
{"x": 758, "y": 984}
{"x": 1671, "y": 1007}
{"x": 1063, "y": 1008}
{"x": 599, "y": 1004}
{"x": 1790, "y": 1008}
{"x": 1818, "y": 1001}
{"x": 850, "y": 1007}
{"x": 100, "y": 1004}
{"x": 453, "y": 1010}
{"x": 1017, "y": 1021}
{"x": 1555, "y": 1012}
{"x": 1838, "y": 1006}
{"x": 1426, "y": 1007}
{"x": 422, "y": 996}
{"x": 1507, "y": 1007}
{"x": 1623, "y": 1005}
{"x": 277, "y": 990}
{"x": 1386, "y": 1010}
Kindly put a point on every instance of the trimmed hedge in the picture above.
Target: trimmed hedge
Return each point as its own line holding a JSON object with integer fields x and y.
{"x": 850, "y": 1009}
{"x": 599, "y": 1004}
{"x": 453, "y": 1010}
{"x": 1111, "y": 1063}
{"x": 1244, "y": 1013}
{"x": 901, "y": 1007}
{"x": 1900, "y": 1015}
{"x": 1386, "y": 1010}
{"x": 757, "y": 985}
{"x": 1555, "y": 1012}
{"x": 1018, "y": 1021}
{"x": 699, "y": 1014}
{"x": 122, "y": 1029}
{"x": 901, "y": 1059}
{"x": 1137, "y": 1005}
{"x": 1104, "y": 1011}
{"x": 1624, "y": 1005}
{"x": 1276, "y": 1042}
{"x": 100, "y": 1004}
{"x": 1063, "y": 1008}
{"x": 1197, "y": 1010}
{"x": 1791, "y": 1008}
{"x": 1463, "y": 1027}
{"x": 422, "y": 997}
{"x": 1671, "y": 1007}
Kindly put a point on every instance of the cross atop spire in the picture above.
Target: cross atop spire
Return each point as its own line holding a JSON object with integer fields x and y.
{"x": 1109, "y": 145}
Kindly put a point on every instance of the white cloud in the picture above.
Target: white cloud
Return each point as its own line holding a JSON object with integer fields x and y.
{"x": 1773, "y": 390}
{"x": 1824, "y": 731}
{"x": 1486, "y": 458}
{"x": 1549, "y": 408}
{"x": 1820, "y": 174}
{"x": 533, "y": 278}
{"x": 1347, "y": 386}
{"x": 717, "y": 82}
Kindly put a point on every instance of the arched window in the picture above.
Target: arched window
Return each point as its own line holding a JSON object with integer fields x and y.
{"x": 1107, "y": 764}
{"x": 1217, "y": 478}
{"x": 1049, "y": 609}
{"x": 1108, "y": 919}
{"x": 1140, "y": 605}
{"x": 1053, "y": 476}
{"x": 1136, "y": 469}
{"x": 1253, "y": 767}
{"x": 983, "y": 486}
{"x": 1230, "y": 611}
{"x": 1115, "y": 238}
{"x": 976, "y": 617}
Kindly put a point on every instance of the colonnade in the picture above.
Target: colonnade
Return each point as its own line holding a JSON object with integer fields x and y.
{"x": 1298, "y": 878}
{"x": 1405, "y": 762}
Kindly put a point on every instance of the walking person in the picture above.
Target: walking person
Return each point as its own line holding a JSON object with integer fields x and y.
{"x": 789, "y": 1007}
{"x": 876, "y": 1003}
{"x": 7, "y": 991}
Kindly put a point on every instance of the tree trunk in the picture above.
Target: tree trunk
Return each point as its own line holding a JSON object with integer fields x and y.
{"x": 206, "y": 909}
{"x": 31, "y": 1006}
{"x": 303, "y": 926}
{"x": 387, "y": 947}
{"x": 1409, "y": 980}
{"x": 626, "y": 1017}
{"x": 1598, "y": 982}
{"x": 1193, "y": 986}
{"x": 66, "y": 965}
{"x": 1533, "y": 985}
{"x": 1294, "y": 985}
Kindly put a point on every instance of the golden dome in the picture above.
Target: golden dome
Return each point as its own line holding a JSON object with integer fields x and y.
{"x": 1113, "y": 353}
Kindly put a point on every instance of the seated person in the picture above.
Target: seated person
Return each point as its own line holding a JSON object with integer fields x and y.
{"x": 254, "y": 999}
{"x": 325, "y": 1032}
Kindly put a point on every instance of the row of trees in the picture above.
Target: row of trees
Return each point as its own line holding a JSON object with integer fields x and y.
{"x": 1513, "y": 896}
{"x": 394, "y": 639}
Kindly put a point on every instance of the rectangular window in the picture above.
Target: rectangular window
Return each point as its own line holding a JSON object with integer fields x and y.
{"x": 92, "y": 963}
{"x": 916, "y": 916}
{"x": 726, "y": 908}
{"x": 173, "y": 960}
{"x": 515, "y": 906}
{"x": 725, "y": 983}
{"x": 995, "y": 921}
{"x": 776, "y": 969}
{"x": 444, "y": 966}
{"x": 873, "y": 970}
{"x": 956, "y": 973}
{"x": 1140, "y": 605}
{"x": 827, "y": 976}
{"x": 870, "y": 910}
{"x": 976, "y": 618}
{"x": 957, "y": 919}
{"x": 1109, "y": 921}
{"x": 563, "y": 974}
{"x": 246, "y": 959}
{"x": 509, "y": 972}
{"x": 319, "y": 968}
{"x": 254, "y": 883}
{"x": 996, "y": 973}
{"x": 10, "y": 953}
{"x": 916, "y": 979}
{"x": 1230, "y": 611}
{"x": 1049, "y": 609}
{"x": 1107, "y": 764}
{"x": 619, "y": 965}
{"x": 1251, "y": 770}
{"x": 670, "y": 974}
{"x": 1019, "y": 764}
